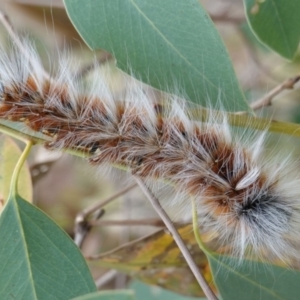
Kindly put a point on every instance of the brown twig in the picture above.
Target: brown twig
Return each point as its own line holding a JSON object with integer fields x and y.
{"x": 177, "y": 238}
{"x": 82, "y": 229}
{"x": 87, "y": 211}
{"x": 123, "y": 246}
{"x": 82, "y": 226}
{"x": 224, "y": 17}
{"x": 106, "y": 278}
{"x": 267, "y": 99}
{"x": 147, "y": 222}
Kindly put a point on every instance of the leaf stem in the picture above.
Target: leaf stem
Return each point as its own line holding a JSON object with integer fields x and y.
{"x": 244, "y": 120}
{"x": 200, "y": 115}
{"x": 17, "y": 170}
{"x": 200, "y": 243}
{"x": 21, "y": 136}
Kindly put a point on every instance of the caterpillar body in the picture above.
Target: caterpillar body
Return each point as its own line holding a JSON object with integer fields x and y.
{"x": 246, "y": 202}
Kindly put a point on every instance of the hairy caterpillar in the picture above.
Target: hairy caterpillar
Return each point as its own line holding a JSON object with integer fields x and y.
{"x": 247, "y": 203}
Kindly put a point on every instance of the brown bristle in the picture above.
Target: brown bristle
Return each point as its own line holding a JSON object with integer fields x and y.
{"x": 234, "y": 189}
{"x": 31, "y": 85}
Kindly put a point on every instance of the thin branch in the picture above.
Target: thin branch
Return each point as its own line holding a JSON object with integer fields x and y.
{"x": 198, "y": 114}
{"x": 243, "y": 119}
{"x": 123, "y": 246}
{"x": 89, "y": 210}
{"x": 105, "y": 278}
{"x": 147, "y": 222}
{"x": 224, "y": 17}
{"x": 82, "y": 226}
{"x": 82, "y": 229}
{"x": 177, "y": 238}
{"x": 267, "y": 99}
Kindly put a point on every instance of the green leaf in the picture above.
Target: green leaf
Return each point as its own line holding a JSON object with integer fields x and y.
{"x": 109, "y": 295}
{"x": 37, "y": 259}
{"x": 150, "y": 292}
{"x": 248, "y": 279}
{"x": 167, "y": 44}
{"x": 253, "y": 280}
{"x": 10, "y": 153}
{"x": 276, "y": 23}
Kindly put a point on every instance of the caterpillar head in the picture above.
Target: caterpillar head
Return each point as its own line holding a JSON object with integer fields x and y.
{"x": 253, "y": 212}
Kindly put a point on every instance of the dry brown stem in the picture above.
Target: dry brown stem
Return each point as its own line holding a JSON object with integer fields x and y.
{"x": 268, "y": 98}
{"x": 83, "y": 226}
{"x": 224, "y": 17}
{"x": 178, "y": 240}
{"x": 146, "y": 222}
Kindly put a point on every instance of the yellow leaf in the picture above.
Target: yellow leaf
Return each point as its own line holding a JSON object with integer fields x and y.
{"x": 157, "y": 260}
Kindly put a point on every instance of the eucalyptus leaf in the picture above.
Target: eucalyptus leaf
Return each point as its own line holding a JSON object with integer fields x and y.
{"x": 276, "y": 23}
{"x": 253, "y": 280}
{"x": 37, "y": 259}
{"x": 171, "y": 45}
{"x": 150, "y": 292}
{"x": 109, "y": 295}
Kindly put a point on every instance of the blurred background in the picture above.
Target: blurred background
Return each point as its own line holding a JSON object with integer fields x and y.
{"x": 64, "y": 185}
